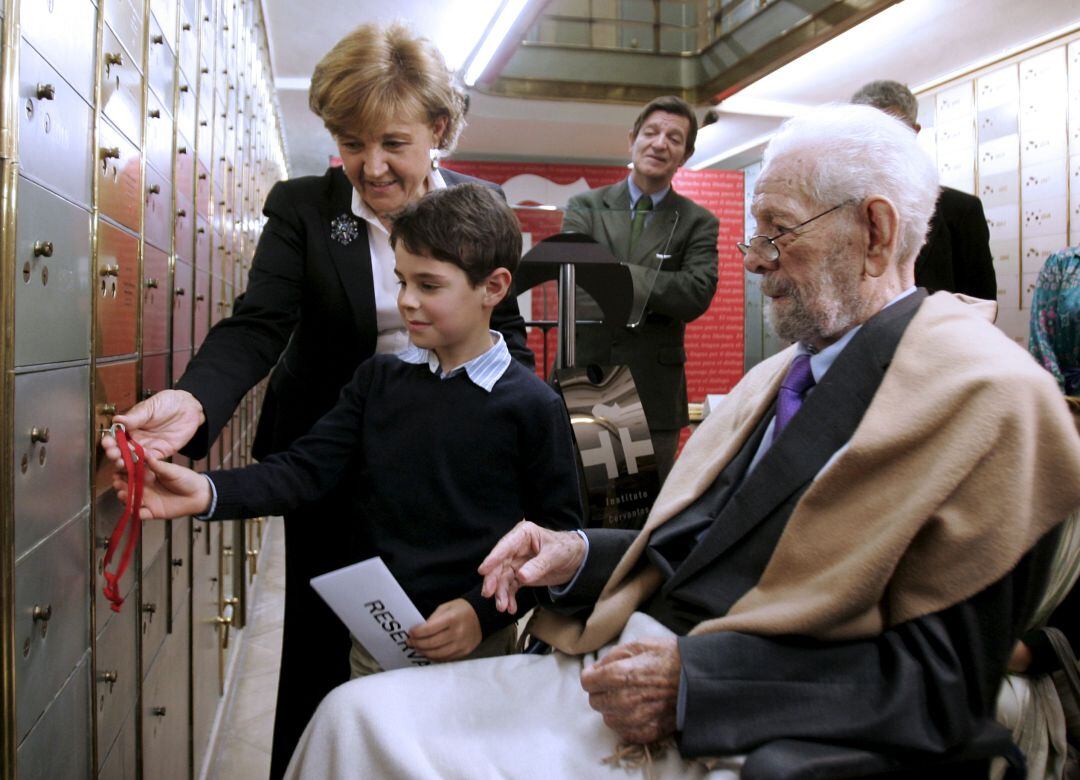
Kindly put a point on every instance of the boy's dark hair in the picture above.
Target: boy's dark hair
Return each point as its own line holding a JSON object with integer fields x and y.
{"x": 672, "y": 104}
{"x": 468, "y": 225}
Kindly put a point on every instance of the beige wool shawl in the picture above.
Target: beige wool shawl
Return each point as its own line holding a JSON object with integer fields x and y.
{"x": 965, "y": 457}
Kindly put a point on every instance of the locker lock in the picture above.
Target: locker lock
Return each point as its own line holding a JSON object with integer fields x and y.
{"x": 114, "y": 58}
{"x": 45, "y": 92}
{"x": 107, "y": 409}
{"x": 110, "y": 152}
{"x": 42, "y": 614}
{"x": 154, "y": 189}
{"x": 154, "y": 113}
{"x": 39, "y": 435}
{"x": 158, "y": 712}
{"x": 158, "y": 39}
{"x": 43, "y": 249}
{"x": 151, "y": 283}
{"x": 179, "y": 291}
{"x": 177, "y": 562}
{"x": 186, "y": 26}
{"x": 110, "y": 270}
{"x": 110, "y": 678}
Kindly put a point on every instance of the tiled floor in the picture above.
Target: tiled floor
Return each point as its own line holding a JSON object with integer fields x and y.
{"x": 248, "y": 722}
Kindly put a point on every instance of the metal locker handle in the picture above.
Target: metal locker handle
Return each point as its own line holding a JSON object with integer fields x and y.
{"x": 110, "y": 270}
{"x": 45, "y": 92}
{"x": 154, "y": 189}
{"x": 154, "y": 113}
{"x": 179, "y": 291}
{"x": 43, "y": 249}
{"x": 158, "y": 39}
{"x": 225, "y": 620}
{"x": 112, "y": 58}
{"x": 43, "y": 614}
{"x": 110, "y": 152}
{"x": 110, "y": 678}
{"x": 151, "y": 283}
{"x": 39, "y": 435}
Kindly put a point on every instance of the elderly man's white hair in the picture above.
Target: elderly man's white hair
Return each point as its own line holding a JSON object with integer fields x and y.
{"x": 857, "y": 151}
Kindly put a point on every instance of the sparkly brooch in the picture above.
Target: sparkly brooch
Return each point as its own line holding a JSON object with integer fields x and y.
{"x": 344, "y": 229}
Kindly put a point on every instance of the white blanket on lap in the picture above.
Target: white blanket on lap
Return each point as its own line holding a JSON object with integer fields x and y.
{"x": 517, "y": 716}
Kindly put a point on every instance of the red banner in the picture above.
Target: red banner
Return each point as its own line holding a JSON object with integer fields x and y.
{"x": 714, "y": 341}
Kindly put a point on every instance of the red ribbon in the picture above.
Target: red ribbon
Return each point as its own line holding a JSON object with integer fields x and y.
{"x": 135, "y": 464}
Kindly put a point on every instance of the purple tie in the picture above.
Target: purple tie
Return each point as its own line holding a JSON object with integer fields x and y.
{"x": 799, "y": 379}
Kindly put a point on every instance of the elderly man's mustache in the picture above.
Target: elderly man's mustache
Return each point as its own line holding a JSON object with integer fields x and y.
{"x": 774, "y": 287}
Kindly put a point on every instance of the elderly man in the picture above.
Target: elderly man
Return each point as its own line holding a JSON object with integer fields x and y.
{"x": 956, "y": 256}
{"x": 838, "y": 564}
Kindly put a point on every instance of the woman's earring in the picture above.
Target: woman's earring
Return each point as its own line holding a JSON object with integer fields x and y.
{"x": 435, "y": 154}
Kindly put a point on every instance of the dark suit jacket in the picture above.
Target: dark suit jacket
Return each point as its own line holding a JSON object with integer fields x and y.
{"x": 308, "y": 314}
{"x": 682, "y": 292}
{"x": 956, "y": 256}
{"x": 920, "y": 688}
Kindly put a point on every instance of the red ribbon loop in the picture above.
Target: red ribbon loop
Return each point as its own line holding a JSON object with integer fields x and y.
{"x": 135, "y": 465}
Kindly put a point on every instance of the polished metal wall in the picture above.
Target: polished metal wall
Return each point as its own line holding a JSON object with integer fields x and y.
{"x": 138, "y": 139}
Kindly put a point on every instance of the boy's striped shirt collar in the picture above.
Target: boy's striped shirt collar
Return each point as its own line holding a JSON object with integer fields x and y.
{"x": 483, "y": 370}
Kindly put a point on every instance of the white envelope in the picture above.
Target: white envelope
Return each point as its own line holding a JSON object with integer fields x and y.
{"x": 376, "y": 610}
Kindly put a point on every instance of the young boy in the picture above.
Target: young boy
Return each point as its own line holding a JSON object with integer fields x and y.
{"x": 450, "y": 443}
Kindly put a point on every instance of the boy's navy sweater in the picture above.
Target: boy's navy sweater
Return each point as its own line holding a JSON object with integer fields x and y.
{"x": 442, "y": 470}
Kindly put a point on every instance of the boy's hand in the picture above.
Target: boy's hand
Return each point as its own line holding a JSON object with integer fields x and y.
{"x": 170, "y": 491}
{"x": 452, "y": 632}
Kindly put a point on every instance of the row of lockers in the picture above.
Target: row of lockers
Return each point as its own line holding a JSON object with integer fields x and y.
{"x": 138, "y": 141}
{"x": 1011, "y": 135}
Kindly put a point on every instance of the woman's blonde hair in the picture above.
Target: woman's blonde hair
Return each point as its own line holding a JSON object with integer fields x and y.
{"x": 375, "y": 75}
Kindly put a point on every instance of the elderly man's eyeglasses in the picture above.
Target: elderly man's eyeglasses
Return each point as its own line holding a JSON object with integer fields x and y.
{"x": 765, "y": 248}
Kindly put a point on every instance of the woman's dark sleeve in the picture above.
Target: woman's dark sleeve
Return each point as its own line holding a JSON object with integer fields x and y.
{"x": 240, "y": 350}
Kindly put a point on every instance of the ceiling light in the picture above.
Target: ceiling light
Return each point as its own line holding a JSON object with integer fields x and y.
{"x": 508, "y": 14}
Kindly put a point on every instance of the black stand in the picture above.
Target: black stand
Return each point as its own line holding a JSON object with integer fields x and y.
{"x": 615, "y": 452}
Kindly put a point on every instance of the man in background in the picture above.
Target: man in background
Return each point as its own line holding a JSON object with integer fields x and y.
{"x": 956, "y": 256}
{"x": 639, "y": 219}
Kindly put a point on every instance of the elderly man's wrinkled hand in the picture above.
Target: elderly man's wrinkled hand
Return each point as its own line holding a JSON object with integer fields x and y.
{"x": 636, "y": 688}
{"x": 529, "y": 556}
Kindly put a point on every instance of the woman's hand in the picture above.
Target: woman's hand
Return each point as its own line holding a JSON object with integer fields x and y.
{"x": 162, "y": 424}
{"x": 452, "y": 632}
{"x": 169, "y": 491}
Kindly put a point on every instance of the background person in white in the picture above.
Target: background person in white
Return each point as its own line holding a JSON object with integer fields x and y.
{"x": 851, "y": 597}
